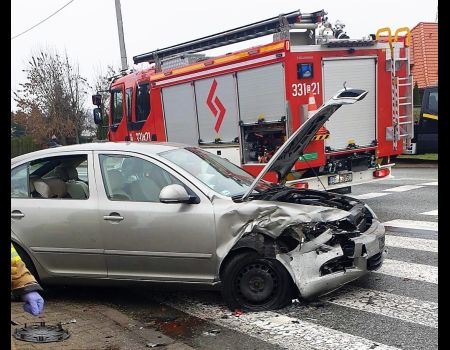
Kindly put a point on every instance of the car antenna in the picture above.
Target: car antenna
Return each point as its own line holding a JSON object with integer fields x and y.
{"x": 318, "y": 178}
{"x": 345, "y": 88}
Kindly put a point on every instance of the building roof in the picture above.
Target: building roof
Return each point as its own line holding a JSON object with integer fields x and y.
{"x": 424, "y": 53}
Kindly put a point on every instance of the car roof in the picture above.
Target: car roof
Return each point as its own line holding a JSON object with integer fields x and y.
{"x": 139, "y": 147}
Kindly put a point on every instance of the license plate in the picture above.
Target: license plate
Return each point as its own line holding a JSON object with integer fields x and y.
{"x": 340, "y": 178}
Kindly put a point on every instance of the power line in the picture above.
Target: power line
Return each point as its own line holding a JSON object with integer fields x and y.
{"x": 54, "y": 13}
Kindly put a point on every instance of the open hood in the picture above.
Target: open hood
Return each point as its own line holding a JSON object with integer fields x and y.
{"x": 286, "y": 156}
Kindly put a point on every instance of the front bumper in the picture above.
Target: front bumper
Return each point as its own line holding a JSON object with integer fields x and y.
{"x": 307, "y": 268}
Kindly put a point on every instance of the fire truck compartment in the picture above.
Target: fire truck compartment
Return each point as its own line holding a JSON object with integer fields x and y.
{"x": 262, "y": 140}
{"x": 357, "y": 123}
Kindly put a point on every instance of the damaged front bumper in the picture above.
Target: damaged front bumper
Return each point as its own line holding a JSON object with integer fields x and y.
{"x": 317, "y": 271}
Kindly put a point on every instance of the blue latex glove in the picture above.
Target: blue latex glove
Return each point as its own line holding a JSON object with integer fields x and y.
{"x": 34, "y": 304}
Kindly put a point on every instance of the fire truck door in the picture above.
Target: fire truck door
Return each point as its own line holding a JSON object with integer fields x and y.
{"x": 179, "y": 114}
{"x": 358, "y": 121}
{"x": 217, "y": 109}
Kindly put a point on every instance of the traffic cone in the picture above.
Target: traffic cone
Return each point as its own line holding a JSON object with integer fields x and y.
{"x": 312, "y": 107}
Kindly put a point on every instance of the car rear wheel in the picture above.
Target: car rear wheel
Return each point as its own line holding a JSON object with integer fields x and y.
{"x": 251, "y": 282}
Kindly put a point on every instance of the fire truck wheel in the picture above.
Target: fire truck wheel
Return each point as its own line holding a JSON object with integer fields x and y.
{"x": 251, "y": 282}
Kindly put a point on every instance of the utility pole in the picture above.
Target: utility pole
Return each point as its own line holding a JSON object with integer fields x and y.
{"x": 123, "y": 53}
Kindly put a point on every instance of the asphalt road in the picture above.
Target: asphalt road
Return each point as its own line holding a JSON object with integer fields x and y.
{"x": 393, "y": 308}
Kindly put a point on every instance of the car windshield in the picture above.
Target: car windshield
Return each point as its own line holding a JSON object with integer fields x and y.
{"x": 215, "y": 172}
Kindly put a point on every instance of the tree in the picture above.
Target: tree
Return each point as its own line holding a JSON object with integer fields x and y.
{"x": 51, "y": 100}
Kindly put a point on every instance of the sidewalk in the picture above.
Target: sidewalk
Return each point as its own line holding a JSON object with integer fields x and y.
{"x": 97, "y": 327}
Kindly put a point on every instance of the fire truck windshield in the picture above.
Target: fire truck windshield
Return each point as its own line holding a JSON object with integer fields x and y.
{"x": 215, "y": 172}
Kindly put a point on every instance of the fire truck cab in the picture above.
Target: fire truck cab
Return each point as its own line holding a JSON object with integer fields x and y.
{"x": 244, "y": 105}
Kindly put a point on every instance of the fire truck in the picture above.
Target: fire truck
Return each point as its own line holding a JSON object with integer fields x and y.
{"x": 244, "y": 105}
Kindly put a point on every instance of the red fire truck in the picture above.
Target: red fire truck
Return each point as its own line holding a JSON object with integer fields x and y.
{"x": 244, "y": 105}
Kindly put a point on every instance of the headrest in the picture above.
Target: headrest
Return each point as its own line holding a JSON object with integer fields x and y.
{"x": 57, "y": 187}
{"x": 42, "y": 188}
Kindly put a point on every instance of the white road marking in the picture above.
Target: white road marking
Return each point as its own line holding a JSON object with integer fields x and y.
{"x": 435, "y": 183}
{"x": 428, "y": 245}
{"x": 370, "y": 195}
{"x": 403, "y": 188}
{"x": 432, "y": 212}
{"x": 410, "y": 226}
{"x": 412, "y": 179}
{"x": 402, "y": 269}
{"x": 386, "y": 304}
{"x": 284, "y": 331}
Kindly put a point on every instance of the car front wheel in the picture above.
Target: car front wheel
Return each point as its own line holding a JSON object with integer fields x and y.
{"x": 251, "y": 282}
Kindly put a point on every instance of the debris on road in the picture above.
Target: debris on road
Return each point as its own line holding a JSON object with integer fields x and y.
{"x": 67, "y": 322}
{"x": 237, "y": 313}
{"x": 212, "y": 332}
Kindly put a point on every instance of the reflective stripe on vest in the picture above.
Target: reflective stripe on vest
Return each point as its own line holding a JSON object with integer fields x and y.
{"x": 14, "y": 256}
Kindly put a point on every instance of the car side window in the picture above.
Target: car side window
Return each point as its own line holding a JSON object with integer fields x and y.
{"x": 59, "y": 177}
{"x": 133, "y": 179}
{"x": 19, "y": 182}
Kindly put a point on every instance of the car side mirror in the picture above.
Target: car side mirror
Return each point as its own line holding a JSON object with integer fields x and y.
{"x": 97, "y": 116}
{"x": 174, "y": 194}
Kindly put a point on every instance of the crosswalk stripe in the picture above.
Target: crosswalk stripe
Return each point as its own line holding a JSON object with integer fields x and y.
{"x": 431, "y": 212}
{"x": 418, "y": 272}
{"x": 284, "y": 331}
{"x": 403, "y": 188}
{"x": 410, "y": 225}
{"x": 370, "y": 195}
{"x": 428, "y": 245}
{"x": 435, "y": 183}
{"x": 386, "y": 304}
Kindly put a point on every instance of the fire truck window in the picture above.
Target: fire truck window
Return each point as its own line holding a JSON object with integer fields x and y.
{"x": 129, "y": 94}
{"x": 142, "y": 102}
{"x": 117, "y": 111}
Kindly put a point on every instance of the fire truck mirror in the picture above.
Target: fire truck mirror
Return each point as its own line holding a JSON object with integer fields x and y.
{"x": 97, "y": 100}
{"x": 97, "y": 116}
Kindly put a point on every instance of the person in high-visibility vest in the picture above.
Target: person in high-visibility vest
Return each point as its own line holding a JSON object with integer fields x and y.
{"x": 25, "y": 286}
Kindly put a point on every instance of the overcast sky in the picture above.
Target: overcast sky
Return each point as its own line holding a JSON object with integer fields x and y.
{"x": 87, "y": 29}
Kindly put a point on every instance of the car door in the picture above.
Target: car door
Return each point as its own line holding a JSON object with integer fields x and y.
{"x": 144, "y": 238}
{"x": 61, "y": 233}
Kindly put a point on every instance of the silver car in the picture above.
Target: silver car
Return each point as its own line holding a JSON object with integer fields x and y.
{"x": 160, "y": 212}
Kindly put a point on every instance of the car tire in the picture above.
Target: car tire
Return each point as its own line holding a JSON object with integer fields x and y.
{"x": 27, "y": 261}
{"x": 254, "y": 283}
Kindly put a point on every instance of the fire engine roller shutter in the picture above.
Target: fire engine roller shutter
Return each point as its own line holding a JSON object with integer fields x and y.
{"x": 262, "y": 93}
{"x": 179, "y": 114}
{"x": 216, "y": 100}
{"x": 358, "y": 121}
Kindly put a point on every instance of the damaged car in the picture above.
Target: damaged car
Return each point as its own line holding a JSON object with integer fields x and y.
{"x": 170, "y": 213}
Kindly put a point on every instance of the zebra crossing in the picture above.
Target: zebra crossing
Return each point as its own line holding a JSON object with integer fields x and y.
{"x": 361, "y": 315}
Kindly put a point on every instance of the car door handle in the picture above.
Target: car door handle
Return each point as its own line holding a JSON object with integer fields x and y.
{"x": 113, "y": 217}
{"x": 17, "y": 214}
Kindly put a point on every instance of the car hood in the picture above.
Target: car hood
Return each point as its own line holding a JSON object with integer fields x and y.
{"x": 286, "y": 156}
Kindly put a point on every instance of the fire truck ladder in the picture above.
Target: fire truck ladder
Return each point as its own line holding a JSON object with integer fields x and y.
{"x": 251, "y": 31}
{"x": 402, "y": 87}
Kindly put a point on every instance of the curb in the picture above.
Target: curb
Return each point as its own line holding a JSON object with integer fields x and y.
{"x": 415, "y": 165}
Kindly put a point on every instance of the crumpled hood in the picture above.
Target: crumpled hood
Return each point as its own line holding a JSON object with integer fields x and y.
{"x": 286, "y": 156}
